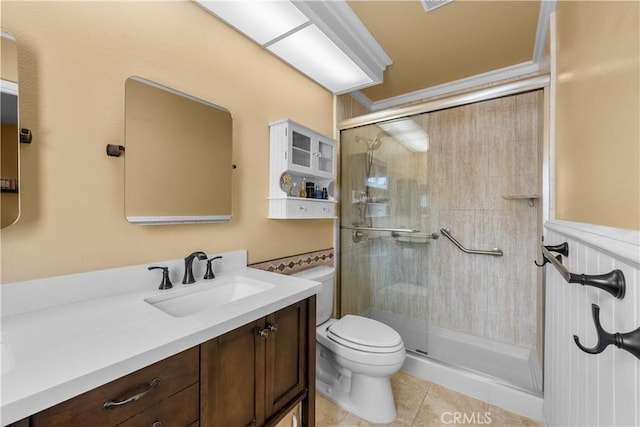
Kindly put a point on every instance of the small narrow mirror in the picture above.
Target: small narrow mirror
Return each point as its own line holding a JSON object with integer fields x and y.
{"x": 178, "y": 156}
{"x": 9, "y": 139}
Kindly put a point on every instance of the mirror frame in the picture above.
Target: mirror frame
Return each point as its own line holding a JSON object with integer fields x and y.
{"x": 8, "y": 87}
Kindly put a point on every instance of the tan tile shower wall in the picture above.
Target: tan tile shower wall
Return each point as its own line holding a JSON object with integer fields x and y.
{"x": 296, "y": 263}
{"x": 479, "y": 154}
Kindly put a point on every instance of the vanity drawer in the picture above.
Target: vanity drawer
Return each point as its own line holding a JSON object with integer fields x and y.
{"x": 174, "y": 373}
{"x": 179, "y": 410}
{"x": 310, "y": 209}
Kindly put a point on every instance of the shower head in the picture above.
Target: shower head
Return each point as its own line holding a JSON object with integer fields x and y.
{"x": 372, "y": 144}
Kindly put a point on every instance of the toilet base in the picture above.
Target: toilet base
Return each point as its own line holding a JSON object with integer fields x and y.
{"x": 370, "y": 398}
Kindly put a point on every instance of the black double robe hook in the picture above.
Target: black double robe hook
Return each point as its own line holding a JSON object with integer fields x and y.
{"x": 629, "y": 341}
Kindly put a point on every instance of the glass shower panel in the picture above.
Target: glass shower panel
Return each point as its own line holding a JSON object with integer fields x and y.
{"x": 475, "y": 170}
{"x": 385, "y": 231}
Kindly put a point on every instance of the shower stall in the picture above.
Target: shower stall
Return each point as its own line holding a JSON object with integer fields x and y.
{"x": 441, "y": 215}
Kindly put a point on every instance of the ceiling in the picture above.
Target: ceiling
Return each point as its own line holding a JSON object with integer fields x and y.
{"x": 456, "y": 41}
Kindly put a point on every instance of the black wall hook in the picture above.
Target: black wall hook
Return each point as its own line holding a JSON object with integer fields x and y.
{"x": 629, "y": 341}
{"x": 562, "y": 249}
{"x": 115, "y": 150}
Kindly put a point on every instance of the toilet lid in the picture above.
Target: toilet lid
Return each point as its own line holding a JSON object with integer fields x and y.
{"x": 358, "y": 332}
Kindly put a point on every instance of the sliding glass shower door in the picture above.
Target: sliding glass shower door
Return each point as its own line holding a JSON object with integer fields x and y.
{"x": 385, "y": 230}
{"x": 473, "y": 170}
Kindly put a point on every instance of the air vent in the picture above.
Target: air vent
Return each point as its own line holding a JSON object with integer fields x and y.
{"x": 429, "y": 5}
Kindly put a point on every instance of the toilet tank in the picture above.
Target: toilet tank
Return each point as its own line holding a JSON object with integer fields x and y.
{"x": 324, "y": 299}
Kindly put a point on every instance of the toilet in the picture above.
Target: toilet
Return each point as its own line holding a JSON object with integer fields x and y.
{"x": 355, "y": 356}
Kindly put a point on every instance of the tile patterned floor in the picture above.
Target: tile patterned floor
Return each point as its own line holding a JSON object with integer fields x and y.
{"x": 424, "y": 404}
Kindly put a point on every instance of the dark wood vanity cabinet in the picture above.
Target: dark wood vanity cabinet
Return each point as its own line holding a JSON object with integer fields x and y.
{"x": 146, "y": 394}
{"x": 251, "y": 376}
{"x": 254, "y": 375}
{"x": 286, "y": 357}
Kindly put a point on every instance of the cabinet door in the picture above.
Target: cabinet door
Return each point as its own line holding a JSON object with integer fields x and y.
{"x": 232, "y": 381}
{"x": 300, "y": 150}
{"x": 286, "y": 356}
{"x": 323, "y": 156}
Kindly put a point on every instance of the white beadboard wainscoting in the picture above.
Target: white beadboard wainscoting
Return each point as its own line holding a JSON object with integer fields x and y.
{"x": 583, "y": 389}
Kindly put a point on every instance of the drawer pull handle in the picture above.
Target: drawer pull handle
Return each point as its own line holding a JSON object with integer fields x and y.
{"x": 153, "y": 384}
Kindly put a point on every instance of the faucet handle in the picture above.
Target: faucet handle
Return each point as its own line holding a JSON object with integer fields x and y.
{"x": 166, "y": 282}
{"x": 209, "y": 274}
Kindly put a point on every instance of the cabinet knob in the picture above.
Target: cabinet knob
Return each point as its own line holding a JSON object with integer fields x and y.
{"x": 273, "y": 328}
{"x": 263, "y": 333}
{"x": 156, "y": 424}
{"x": 303, "y": 208}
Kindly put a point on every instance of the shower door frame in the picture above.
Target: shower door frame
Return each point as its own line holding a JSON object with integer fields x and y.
{"x": 516, "y": 87}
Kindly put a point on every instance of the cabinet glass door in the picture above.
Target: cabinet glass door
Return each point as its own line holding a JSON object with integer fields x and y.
{"x": 325, "y": 157}
{"x": 300, "y": 149}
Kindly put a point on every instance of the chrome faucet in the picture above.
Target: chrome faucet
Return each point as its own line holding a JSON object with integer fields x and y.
{"x": 188, "y": 266}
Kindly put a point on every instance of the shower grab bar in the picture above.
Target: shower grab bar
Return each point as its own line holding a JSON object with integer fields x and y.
{"x": 393, "y": 230}
{"x": 447, "y": 233}
{"x": 612, "y": 282}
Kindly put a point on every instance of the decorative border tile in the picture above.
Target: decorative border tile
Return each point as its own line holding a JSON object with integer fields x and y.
{"x": 296, "y": 263}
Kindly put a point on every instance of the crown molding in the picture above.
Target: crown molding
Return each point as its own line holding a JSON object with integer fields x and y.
{"x": 452, "y": 100}
{"x": 340, "y": 23}
{"x": 514, "y": 71}
{"x": 362, "y": 99}
{"x": 454, "y": 86}
{"x": 546, "y": 8}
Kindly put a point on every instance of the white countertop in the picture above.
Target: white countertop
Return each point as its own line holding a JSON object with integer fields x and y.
{"x": 51, "y": 353}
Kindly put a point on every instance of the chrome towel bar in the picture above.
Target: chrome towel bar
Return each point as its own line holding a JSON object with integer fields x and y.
{"x": 393, "y": 230}
{"x": 494, "y": 252}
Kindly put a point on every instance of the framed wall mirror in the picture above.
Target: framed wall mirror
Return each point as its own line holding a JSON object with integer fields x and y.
{"x": 178, "y": 156}
{"x": 10, "y": 140}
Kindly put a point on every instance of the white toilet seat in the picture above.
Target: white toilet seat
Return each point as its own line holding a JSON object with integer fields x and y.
{"x": 364, "y": 355}
{"x": 364, "y": 334}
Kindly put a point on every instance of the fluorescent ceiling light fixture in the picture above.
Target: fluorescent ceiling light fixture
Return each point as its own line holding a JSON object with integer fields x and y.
{"x": 261, "y": 21}
{"x": 324, "y": 40}
{"x": 408, "y": 133}
{"x": 312, "y": 51}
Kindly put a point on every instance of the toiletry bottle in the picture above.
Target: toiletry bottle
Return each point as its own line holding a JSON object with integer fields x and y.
{"x": 303, "y": 188}
{"x": 294, "y": 191}
{"x": 325, "y": 193}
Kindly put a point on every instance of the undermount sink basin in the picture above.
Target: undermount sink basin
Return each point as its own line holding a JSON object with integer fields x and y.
{"x": 207, "y": 296}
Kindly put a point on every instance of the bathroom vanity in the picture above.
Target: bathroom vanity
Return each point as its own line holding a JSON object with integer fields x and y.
{"x": 124, "y": 359}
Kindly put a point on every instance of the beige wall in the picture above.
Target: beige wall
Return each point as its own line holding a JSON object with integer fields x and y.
{"x": 74, "y": 60}
{"x": 598, "y": 113}
{"x": 8, "y": 59}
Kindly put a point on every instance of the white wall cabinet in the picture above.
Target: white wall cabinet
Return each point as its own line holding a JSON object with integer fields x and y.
{"x": 300, "y": 155}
